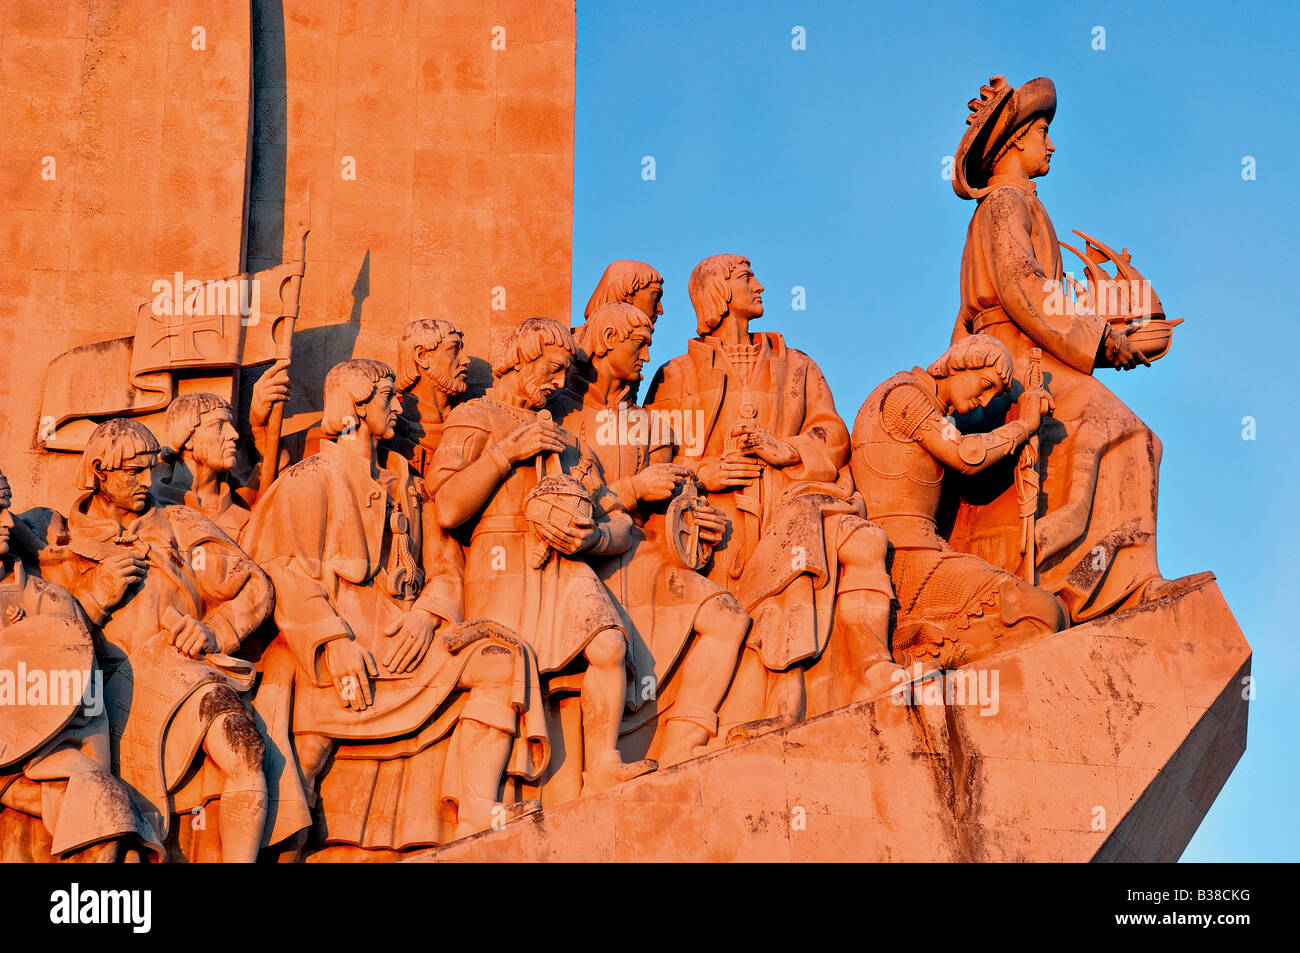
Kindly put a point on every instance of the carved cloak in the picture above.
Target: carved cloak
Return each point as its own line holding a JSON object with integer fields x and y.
{"x": 323, "y": 532}
{"x": 161, "y": 703}
{"x": 1101, "y": 464}
{"x": 779, "y": 557}
{"x": 559, "y": 608}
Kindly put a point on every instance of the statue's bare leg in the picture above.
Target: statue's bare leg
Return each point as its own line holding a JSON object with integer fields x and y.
{"x": 720, "y": 629}
{"x": 604, "y": 686}
{"x": 234, "y": 745}
{"x": 481, "y": 743}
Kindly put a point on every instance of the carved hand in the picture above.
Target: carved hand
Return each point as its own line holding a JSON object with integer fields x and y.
{"x": 1120, "y": 352}
{"x": 412, "y": 635}
{"x": 528, "y": 440}
{"x": 271, "y": 388}
{"x": 659, "y": 481}
{"x": 1031, "y": 405}
{"x": 117, "y": 573}
{"x": 190, "y": 636}
{"x": 728, "y": 473}
{"x": 712, "y": 523}
{"x": 581, "y": 536}
{"x": 349, "y": 667}
{"x": 773, "y": 450}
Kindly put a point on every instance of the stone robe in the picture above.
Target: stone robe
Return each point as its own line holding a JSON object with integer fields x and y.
{"x": 326, "y": 533}
{"x": 444, "y": 559}
{"x": 780, "y": 556}
{"x": 659, "y": 597}
{"x": 560, "y": 607}
{"x": 228, "y": 511}
{"x": 1100, "y": 463}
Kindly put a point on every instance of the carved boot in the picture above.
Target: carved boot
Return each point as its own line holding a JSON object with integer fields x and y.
{"x": 610, "y": 769}
{"x": 788, "y": 700}
{"x": 1163, "y": 588}
{"x": 686, "y": 733}
{"x": 864, "y": 617}
{"x": 477, "y": 814}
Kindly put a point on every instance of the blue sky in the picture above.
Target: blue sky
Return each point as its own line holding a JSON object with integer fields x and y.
{"x": 824, "y": 166}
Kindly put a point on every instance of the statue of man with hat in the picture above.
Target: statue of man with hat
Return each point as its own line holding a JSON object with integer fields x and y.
{"x": 1095, "y": 537}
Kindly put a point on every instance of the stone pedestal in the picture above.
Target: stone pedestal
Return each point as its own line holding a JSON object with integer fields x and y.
{"x": 1108, "y": 741}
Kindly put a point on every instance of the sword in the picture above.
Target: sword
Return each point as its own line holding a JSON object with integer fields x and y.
{"x": 1028, "y": 479}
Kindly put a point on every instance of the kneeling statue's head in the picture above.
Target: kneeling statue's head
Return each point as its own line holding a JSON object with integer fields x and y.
{"x": 977, "y": 368}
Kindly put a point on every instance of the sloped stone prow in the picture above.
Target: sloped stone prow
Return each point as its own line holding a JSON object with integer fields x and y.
{"x": 1108, "y": 741}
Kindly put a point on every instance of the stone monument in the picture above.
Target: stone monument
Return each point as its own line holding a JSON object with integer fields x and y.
{"x": 339, "y": 544}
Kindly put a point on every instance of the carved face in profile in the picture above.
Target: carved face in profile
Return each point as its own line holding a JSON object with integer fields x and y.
{"x": 973, "y": 388}
{"x": 625, "y": 358}
{"x": 746, "y": 294}
{"x": 378, "y": 415}
{"x": 647, "y": 300}
{"x": 214, "y": 440}
{"x": 447, "y": 366}
{"x": 127, "y": 487}
{"x": 541, "y": 378}
{"x": 1035, "y": 149}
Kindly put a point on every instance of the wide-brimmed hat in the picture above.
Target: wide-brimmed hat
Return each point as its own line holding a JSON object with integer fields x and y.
{"x": 996, "y": 116}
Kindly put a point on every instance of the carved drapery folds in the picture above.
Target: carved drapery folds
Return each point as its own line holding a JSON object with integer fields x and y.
{"x": 457, "y": 610}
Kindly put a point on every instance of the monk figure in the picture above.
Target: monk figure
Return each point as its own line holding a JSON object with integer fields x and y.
{"x": 952, "y": 607}
{"x": 1096, "y": 531}
{"x": 203, "y": 452}
{"x": 773, "y": 455}
{"x": 405, "y": 720}
{"x": 532, "y": 574}
{"x": 686, "y": 631}
{"x": 55, "y": 758}
{"x": 173, "y": 597}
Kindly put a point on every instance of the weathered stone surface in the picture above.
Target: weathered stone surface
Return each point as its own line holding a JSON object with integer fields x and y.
{"x": 437, "y": 141}
{"x": 124, "y": 162}
{"x": 461, "y": 573}
{"x": 1084, "y": 724}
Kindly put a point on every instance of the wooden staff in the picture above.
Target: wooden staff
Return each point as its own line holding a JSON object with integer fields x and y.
{"x": 290, "y": 289}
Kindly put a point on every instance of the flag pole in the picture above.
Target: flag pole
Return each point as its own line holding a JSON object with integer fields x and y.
{"x": 290, "y": 289}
